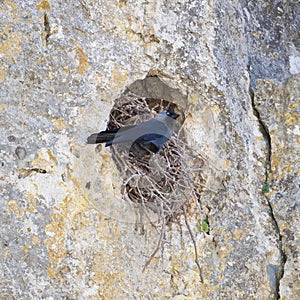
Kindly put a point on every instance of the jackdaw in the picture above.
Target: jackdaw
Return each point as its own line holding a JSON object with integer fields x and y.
{"x": 150, "y": 135}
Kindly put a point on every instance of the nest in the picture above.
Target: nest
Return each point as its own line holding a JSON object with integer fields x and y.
{"x": 168, "y": 183}
{"x": 164, "y": 182}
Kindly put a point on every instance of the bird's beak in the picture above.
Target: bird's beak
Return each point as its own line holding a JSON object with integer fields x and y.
{"x": 176, "y": 116}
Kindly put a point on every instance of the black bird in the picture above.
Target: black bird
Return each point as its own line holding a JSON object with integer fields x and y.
{"x": 150, "y": 135}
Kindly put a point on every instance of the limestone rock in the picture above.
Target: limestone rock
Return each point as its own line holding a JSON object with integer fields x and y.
{"x": 65, "y": 230}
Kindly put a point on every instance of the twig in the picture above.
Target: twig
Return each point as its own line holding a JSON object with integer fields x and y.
{"x": 157, "y": 247}
{"x": 194, "y": 242}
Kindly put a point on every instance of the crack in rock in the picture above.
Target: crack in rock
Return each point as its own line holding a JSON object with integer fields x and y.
{"x": 267, "y": 138}
{"x": 47, "y": 29}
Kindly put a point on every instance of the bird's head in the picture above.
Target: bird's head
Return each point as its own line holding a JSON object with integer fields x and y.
{"x": 170, "y": 113}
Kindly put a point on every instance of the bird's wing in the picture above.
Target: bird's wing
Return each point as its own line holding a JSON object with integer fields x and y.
{"x": 153, "y": 141}
{"x": 152, "y": 126}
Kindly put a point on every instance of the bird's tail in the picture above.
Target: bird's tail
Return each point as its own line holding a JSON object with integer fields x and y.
{"x": 102, "y": 137}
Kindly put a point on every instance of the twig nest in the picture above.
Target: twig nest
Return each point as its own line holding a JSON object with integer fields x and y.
{"x": 162, "y": 182}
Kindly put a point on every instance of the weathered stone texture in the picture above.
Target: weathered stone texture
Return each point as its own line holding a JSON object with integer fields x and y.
{"x": 65, "y": 232}
{"x": 279, "y": 108}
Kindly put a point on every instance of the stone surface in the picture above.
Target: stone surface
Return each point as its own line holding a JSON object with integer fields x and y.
{"x": 65, "y": 232}
{"x": 281, "y": 114}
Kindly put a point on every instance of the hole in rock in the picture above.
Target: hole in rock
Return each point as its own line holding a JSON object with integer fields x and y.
{"x": 166, "y": 181}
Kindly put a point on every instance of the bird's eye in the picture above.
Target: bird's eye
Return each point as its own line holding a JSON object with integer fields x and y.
{"x": 168, "y": 113}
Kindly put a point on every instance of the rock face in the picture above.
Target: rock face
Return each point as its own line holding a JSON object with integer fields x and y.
{"x": 64, "y": 230}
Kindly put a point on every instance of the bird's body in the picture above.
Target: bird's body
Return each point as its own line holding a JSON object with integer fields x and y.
{"x": 150, "y": 135}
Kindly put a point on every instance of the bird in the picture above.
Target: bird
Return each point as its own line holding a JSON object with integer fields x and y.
{"x": 149, "y": 136}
